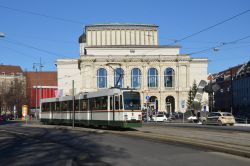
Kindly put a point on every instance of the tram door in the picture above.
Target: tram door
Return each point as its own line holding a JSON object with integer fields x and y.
{"x": 116, "y": 105}
{"x": 111, "y": 108}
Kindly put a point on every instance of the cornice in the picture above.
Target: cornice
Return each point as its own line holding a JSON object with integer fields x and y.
{"x": 127, "y": 58}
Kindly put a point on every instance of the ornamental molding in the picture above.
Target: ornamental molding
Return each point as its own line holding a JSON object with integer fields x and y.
{"x": 140, "y": 59}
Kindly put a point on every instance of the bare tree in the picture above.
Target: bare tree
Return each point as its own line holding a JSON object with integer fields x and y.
{"x": 14, "y": 96}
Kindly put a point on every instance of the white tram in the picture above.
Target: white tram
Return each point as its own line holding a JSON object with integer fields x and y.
{"x": 110, "y": 107}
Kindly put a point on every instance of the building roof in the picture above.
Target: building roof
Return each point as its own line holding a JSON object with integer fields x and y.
{"x": 8, "y": 69}
{"x": 45, "y": 78}
{"x": 134, "y": 46}
{"x": 121, "y": 24}
{"x": 236, "y": 71}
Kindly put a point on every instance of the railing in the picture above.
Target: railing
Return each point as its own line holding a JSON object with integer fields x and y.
{"x": 242, "y": 120}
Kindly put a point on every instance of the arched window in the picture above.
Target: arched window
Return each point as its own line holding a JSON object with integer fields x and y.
{"x": 118, "y": 79}
{"x": 102, "y": 78}
{"x": 169, "y": 77}
{"x": 136, "y": 78}
{"x": 152, "y": 78}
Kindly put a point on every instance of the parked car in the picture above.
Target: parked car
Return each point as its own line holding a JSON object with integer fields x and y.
{"x": 9, "y": 117}
{"x": 192, "y": 119}
{"x": 1, "y": 118}
{"x": 219, "y": 118}
{"x": 159, "y": 118}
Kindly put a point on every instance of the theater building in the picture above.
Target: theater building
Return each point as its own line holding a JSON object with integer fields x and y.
{"x": 129, "y": 55}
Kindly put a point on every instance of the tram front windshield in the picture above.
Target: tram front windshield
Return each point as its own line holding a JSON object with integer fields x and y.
{"x": 132, "y": 100}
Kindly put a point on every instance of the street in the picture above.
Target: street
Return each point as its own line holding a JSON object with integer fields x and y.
{"x": 20, "y": 145}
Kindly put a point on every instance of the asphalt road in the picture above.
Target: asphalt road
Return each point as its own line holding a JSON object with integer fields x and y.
{"x": 43, "y": 146}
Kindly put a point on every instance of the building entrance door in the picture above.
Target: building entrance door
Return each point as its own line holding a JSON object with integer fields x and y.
{"x": 168, "y": 107}
{"x": 170, "y": 104}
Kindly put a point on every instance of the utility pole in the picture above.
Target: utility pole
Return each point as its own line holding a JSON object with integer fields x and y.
{"x": 231, "y": 82}
{"x": 121, "y": 73}
{"x": 73, "y": 104}
{"x": 35, "y": 65}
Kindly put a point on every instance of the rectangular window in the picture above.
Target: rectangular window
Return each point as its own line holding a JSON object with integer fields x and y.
{"x": 116, "y": 102}
{"x": 53, "y": 106}
{"x": 121, "y": 104}
{"x": 131, "y": 101}
{"x": 70, "y": 105}
{"x": 57, "y": 106}
{"x": 76, "y": 105}
{"x": 45, "y": 107}
{"x": 84, "y": 105}
{"x": 64, "y": 105}
{"x": 99, "y": 103}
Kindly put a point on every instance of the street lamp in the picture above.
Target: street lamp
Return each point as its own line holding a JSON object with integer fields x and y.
{"x": 40, "y": 95}
{"x": 2, "y": 34}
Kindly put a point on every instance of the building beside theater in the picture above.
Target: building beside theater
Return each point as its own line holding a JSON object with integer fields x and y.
{"x": 40, "y": 85}
{"x": 234, "y": 93}
{"x": 129, "y": 55}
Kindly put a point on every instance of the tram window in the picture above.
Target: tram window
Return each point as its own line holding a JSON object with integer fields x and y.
{"x": 76, "y": 105}
{"x": 111, "y": 103}
{"x": 92, "y": 104}
{"x": 99, "y": 103}
{"x": 103, "y": 102}
{"x": 57, "y": 106}
{"x": 84, "y": 105}
{"x": 80, "y": 105}
{"x": 53, "y": 106}
{"x": 121, "y": 104}
{"x": 64, "y": 105}
{"x": 45, "y": 107}
{"x": 70, "y": 105}
{"x": 116, "y": 102}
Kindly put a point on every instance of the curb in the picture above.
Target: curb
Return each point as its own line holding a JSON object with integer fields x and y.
{"x": 215, "y": 146}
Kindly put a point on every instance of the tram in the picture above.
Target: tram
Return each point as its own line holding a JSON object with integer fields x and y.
{"x": 114, "y": 107}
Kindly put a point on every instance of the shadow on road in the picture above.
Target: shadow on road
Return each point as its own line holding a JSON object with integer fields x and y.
{"x": 56, "y": 147}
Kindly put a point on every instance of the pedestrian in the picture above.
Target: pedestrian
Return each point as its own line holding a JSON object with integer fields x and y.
{"x": 198, "y": 116}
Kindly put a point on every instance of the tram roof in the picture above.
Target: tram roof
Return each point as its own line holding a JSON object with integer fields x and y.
{"x": 81, "y": 95}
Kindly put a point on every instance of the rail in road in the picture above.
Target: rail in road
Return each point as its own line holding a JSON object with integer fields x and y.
{"x": 228, "y": 141}
{"x": 232, "y": 141}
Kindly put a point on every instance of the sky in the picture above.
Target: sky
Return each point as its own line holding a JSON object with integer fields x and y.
{"x": 46, "y": 30}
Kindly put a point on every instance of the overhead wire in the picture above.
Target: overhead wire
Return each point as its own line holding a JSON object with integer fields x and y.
{"x": 210, "y": 27}
{"x": 220, "y": 45}
{"x": 41, "y": 15}
{"x": 34, "y": 48}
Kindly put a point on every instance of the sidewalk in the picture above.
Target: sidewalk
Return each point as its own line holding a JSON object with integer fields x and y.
{"x": 242, "y": 124}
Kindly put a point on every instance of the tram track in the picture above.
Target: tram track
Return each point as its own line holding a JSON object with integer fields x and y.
{"x": 220, "y": 143}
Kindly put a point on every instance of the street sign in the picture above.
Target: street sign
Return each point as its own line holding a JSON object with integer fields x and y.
{"x": 182, "y": 106}
{"x": 147, "y": 98}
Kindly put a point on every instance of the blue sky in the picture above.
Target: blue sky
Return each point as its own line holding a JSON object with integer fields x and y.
{"x": 30, "y": 37}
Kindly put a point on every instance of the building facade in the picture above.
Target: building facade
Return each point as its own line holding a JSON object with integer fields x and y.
{"x": 12, "y": 88}
{"x": 40, "y": 85}
{"x": 128, "y": 55}
{"x": 9, "y": 73}
{"x": 234, "y": 93}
